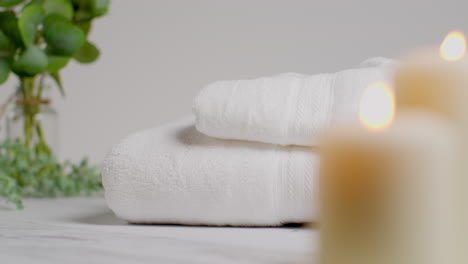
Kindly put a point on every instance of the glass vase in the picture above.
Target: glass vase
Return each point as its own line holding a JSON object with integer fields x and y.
{"x": 35, "y": 122}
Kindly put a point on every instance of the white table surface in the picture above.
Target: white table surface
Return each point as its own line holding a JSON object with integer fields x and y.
{"x": 84, "y": 230}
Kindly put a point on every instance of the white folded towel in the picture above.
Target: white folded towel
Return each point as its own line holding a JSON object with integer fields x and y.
{"x": 174, "y": 174}
{"x": 286, "y": 109}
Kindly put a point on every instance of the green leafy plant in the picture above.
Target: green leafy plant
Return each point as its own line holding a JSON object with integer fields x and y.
{"x": 38, "y": 38}
{"x": 27, "y": 172}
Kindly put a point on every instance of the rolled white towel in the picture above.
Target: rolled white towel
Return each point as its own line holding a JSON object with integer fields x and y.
{"x": 174, "y": 174}
{"x": 378, "y": 62}
{"x": 286, "y": 109}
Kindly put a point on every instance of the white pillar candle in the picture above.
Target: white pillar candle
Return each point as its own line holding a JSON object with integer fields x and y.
{"x": 385, "y": 188}
{"x": 437, "y": 81}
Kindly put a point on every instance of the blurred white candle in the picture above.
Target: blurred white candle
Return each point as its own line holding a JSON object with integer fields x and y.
{"x": 385, "y": 186}
{"x": 437, "y": 81}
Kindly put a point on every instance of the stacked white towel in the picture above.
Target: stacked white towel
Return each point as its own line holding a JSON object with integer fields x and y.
{"x": 180, "y": 173}
{"x": 286, "y": 109}
{"x": 175, "y": 174}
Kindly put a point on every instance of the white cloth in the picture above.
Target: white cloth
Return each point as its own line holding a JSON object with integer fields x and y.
{"x": 286, "y": 109}
{"x": 174, "y": 174}
{"x": 378, "y": 62}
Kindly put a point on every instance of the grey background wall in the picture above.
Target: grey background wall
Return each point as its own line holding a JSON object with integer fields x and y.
{"x": 156, "y": 54}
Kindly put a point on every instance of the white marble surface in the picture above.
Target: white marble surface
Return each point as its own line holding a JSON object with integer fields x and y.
{"x": 84, "y": 230}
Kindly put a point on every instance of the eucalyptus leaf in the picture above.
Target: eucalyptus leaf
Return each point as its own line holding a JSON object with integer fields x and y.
{"x": 79, "y": 3}
{"x": 60, "y": 7}
{"x": 57, "y": 62}
{"x": 4, "y": 70}
{"x": 27, "y": 172}
{"x": 87, "y": 54}
{"x": 31, "y": 17}
{"x": 84, "y": 10}
{"x": 34, "y": 2}
{"x": 7, "y": 48}
{"x": 31, "y": 62}
{"x": 9, "y": 26}
{"x": 62, "y": 38}
{"x": 85, "y": 26}
{"x": 10, "y": 3}
{"x": 54, "y": 18}
{"x": 100, "y": 7}
{"x": 83, "y": 15}
{"x": 4, "y": 41}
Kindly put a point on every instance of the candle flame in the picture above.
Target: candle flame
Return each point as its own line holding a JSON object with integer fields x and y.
{"x": 377, "y": 108}
{"x": 453, "y": 47}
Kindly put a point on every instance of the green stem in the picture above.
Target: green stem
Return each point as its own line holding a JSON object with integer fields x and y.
{"x": 27, "y": 129}
{"x": 42, "y": 144}
{"x": 31, "y": 91}
{"x": 41, "y": 86}
{"x": 27, "y": 87}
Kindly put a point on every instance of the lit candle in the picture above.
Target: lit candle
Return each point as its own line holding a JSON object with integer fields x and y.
{"x": 385, "y": 187}
{"x": 437, "y": 81}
